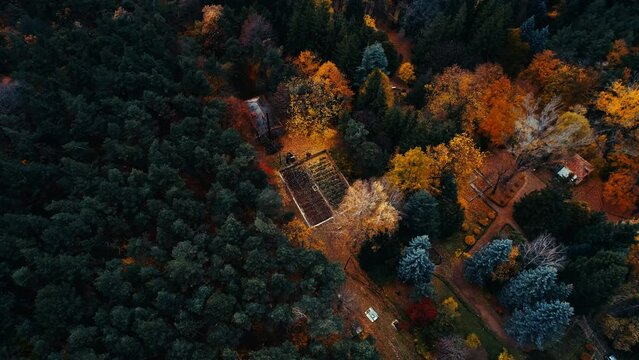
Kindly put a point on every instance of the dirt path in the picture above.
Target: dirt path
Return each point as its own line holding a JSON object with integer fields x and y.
{"x": 402, "y": 44}
{"x": 363, "y": 293}
{"x": 504, "y": 215}
{"x": 476, "y": 297}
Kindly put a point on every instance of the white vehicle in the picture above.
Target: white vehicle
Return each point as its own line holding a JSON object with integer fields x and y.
{"x": 371, "y": 314}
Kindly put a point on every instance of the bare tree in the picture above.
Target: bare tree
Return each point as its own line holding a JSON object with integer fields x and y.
{"x": 543, "y": 251}
{"x": 369, "y": 208}
{"x": 451, "y": 348}
{"x": 542, "y": 135}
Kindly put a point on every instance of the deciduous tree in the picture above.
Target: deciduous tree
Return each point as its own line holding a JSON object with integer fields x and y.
{"x": 369, "y": 208}
{"x": 422, "y": 313}
{"x": 406, "y": 73}
{"x": 310, "y": 108}
{"x": 307, "y": 63}
{"x": 622, "y": 190}
{"x": 414, "y": 170}
{"x": 550, "y": 77}
{"x": 543, "y": 251}
{"x": 334, "y": 82}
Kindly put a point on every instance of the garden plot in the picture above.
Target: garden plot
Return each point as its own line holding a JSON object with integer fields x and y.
{"x": 317, "y": 187}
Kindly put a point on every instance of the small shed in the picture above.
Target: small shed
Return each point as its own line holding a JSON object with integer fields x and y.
{"x": 575, "y": 168}
{"x": 266, "y": 126}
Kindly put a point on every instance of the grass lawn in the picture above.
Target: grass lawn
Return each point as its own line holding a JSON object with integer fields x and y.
{"x": 467, "y": 322}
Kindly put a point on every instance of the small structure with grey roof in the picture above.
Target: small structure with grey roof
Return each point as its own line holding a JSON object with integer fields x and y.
{"x": 266, "y": 126}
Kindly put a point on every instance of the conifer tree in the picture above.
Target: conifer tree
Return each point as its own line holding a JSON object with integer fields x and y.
{"x": 421, "y": 215}
{"x": 480, "y": 267}
{"x": 373, "y": 58}
{"x": 531, "y": 286}
{"x": 416, "y": 267}
{"x": 540, "y": 324}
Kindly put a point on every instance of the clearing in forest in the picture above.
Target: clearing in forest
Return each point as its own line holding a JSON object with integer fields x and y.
{"x": 317, "y": 187}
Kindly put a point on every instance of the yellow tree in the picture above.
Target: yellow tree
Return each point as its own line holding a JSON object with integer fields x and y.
{"x": 414, "y": 170}
{"x": 449, "y": 91}
{"x": 370, "y": 22}
{"x": 310, "y": 107}
{"x": 307, "y": 63}
{"x": 406, "y": 72}
{"x": 334, "y": 82}
{"x": 369, "y": 208}
{"x": 505, "y": 355}
{"x": 463, "y": 157}
{"x": 210, "y": 29}
{"x": 621, "y": 105}
{"x": 422, "y": 170}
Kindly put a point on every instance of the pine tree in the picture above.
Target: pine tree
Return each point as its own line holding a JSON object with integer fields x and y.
{"x": 540, "y": 324}
{"x": 376, "y": 94}
{"x": 421, "y": 215}
{"x": 451, "y": 213}
{"x": 531, "y": 286}
{"x": 416, "y": 267}
{"x": 480, "y": 267}
{"x": 373, "y": 58}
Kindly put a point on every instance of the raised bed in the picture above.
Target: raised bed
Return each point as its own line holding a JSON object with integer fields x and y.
{"x": 317, "y": 187}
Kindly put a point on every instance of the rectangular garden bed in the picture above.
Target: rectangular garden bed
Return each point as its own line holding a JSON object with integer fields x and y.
{"x": 317, "y": 187}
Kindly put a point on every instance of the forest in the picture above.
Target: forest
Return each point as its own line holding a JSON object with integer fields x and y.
{"x": 319, "y": 179}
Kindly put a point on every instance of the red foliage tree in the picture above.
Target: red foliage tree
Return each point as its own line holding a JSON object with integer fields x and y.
{"x": 239, "y": 117}
{"x": 422, "y": 313}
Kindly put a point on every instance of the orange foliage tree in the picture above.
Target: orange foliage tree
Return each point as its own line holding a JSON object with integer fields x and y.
{"x": 307, "y": 63}
{"x": 406, "y": 72}
{"x": 210, "y": 29}
{"x": 239, "y": 117}
{"x": 548, "y": 76}
{"x": 622, "y": 191}
{"x": 486, "y": 98}
{"x": 334, "y": 82}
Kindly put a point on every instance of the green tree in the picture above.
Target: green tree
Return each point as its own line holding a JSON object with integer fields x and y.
{"x": 479, "y": 268}
{"x": 540, "y": 324}
{"x": 372, "y": 59}
{"x": 376, "y": 93}
{"x": 416, "y": 267}
{"x": 420, "y": 215}
{"x": 595, "y": 278}
{"x": 531, "y": 286}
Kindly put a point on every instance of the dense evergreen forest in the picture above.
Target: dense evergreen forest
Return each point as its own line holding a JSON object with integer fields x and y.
{"x": 134, "y": 224}
{"x": 141, "y": 217}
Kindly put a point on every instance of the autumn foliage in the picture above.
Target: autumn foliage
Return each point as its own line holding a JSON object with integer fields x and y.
{"x": 486, "y": 99}
{"x": 622, "y": 191}
{"x": 239, "y": 117}
{"x": 548, "y": 76}
{"x": 422, "y": 313}
{"x": 422, "y": 170}
{"x": 307, "y": 63}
